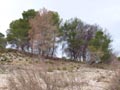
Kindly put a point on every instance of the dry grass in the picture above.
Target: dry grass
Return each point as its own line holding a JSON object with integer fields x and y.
{"x": 33, "y": 74}
{"x": 21, "y": 80}
{"x": 63, "y": 79}
{"x": 61, "y": 76}
{"x": 115, "y": 83}
{"x": 37, "y": 80}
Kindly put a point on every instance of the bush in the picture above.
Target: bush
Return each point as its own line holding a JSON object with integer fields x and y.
{"x": 118, "y": 58}
{"x": 64, "y": 68}
{"x": 50, "y": 70}
{"x": 106, "y": 58}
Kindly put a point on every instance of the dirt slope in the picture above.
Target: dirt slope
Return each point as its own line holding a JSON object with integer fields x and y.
{"x": 53, "y": 75}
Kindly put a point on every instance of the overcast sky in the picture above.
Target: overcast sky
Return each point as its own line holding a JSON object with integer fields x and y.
{"x": 105, "y": 13}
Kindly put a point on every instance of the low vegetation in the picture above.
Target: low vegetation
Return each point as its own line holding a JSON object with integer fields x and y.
{"x": 57, "y": 75}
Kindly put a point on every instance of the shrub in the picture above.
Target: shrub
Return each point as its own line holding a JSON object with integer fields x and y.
{"x": 119, "y": 58}
{"x": 50, "y": 70}
{"x": 64, "y": 68}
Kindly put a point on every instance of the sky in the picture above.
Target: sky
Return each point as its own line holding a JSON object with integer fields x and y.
{"x": 105, "y": 13}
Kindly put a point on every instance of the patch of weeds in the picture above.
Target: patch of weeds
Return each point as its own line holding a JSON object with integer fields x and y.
{"x": 49, "y": 62}
{"x": 4, "y": 58}
{"x": 77, "y": 67}
{"x": 2, "y": 71}
{"x": 64, "y": 68}
{"x": 26, "y": 59}
{"x": 18, "y": 67}
{"x": 30, "y": 62}
{"x": 70, "y": 69}
{"x": 63, "y": 63}
{"x": 36, "y": 61}
{"x": 1, "y": 62}
{"x": 50, "y": 70}
{"x": 8, "y": 62}
{"x": 58, "y": 68}
{"x": 20, "y": 59}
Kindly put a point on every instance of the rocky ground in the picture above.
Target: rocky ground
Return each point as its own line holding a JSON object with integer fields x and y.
{"x": 20, "y": 73}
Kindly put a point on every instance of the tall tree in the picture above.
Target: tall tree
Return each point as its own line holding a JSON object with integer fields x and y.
{"x": 18, "y": 33}
{"x": 68, "y": 31}
{"x": 80, "y": 37}
{"x": 77, "y": 35}
{"x": 43, "y": 32}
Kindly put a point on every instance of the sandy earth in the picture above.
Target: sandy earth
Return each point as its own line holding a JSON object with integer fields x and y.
{"x": 85, "y": 79}
{"x": 82, "y": 78}
{"x": 3, "y": 82}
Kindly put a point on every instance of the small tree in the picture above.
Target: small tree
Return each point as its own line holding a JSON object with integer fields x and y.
{"x": 100, "y": 45}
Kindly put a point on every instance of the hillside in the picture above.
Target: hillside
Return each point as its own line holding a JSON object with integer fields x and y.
{"x": 23, "y": 72}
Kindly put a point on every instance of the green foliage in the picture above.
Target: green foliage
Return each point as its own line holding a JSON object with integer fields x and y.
{"x": 50, "y": 69}
{"x": 68, "y": 32}
{"x": 55, "y": 18}
{"x": 1, "y": 35}
{"x": 100, "y": 44}
{"x": 44, "y": 28}
{"x": 106, "y": 57}
{"x": 64, "y": 68}
{"x": 27, "y": 15}
{"x": 18, "y": 32}
{"x": 119, "y": 58}
{"x": 2, "y": 42}
{"x": 81, "y": 37}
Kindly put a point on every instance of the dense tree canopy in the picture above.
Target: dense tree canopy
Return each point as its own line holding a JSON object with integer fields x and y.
{"x": 39, "y": 33}
{"x": 17, "y": 35}
{"x": 27, "y": 15}
{"x": 82, "y": 38}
